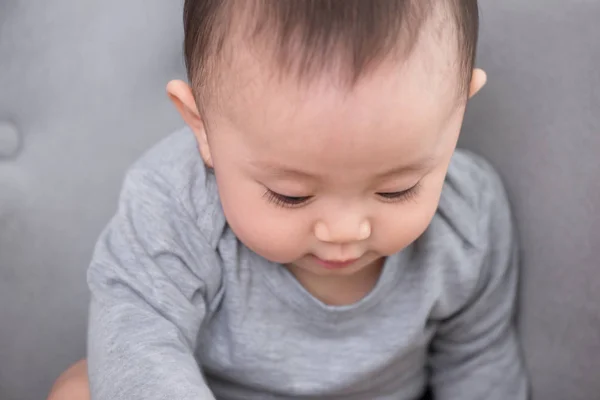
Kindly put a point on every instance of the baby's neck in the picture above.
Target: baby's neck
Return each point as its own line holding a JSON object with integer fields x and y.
{"x": 340, "y": 291}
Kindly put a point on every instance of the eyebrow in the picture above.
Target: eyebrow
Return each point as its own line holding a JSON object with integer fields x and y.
{"x": 282, "y": 171}
{"x": 403, "y": 169}
{"x": 286, "y": 172}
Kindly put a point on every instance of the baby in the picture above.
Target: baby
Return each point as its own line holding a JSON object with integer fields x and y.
{"x": 313, "y": 233}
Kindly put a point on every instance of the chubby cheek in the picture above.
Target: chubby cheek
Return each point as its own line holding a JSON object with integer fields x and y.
{"x": 398, "y": 228}
{"x": 275, "y": 234}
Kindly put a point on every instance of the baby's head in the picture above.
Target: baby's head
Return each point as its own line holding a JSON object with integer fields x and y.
{"x": 329, "y": 124}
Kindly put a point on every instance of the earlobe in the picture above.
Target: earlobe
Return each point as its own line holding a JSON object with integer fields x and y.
{"x": 478, "y": 80}
{"x": 182, "y": 97}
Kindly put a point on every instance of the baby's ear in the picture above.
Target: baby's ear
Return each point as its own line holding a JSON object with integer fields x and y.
{"x": 182, "y": 97}
{"x": 478, "y": 80}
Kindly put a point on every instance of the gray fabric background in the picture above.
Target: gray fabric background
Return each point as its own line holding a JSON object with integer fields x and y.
{"x": 77, "y": 77}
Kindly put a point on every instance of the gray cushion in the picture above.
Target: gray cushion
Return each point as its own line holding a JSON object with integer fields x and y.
{"x": 82, "y": 95}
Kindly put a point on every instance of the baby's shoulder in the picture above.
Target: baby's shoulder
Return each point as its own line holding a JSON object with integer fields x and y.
{"x": 172, "y": 175}
{"x": 175, "y": 158}
{"x": 473, "y": 197}
{"x": 472, "y": 226}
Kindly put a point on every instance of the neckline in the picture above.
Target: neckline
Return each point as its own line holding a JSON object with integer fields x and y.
{"x": 288, "y": 289}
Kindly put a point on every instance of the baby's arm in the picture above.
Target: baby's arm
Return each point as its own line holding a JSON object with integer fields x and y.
{"x": 148, "y": 299}
{"x": 475, "y": 354}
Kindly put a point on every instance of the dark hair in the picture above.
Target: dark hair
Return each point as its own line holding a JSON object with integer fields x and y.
{"x": 309, "y": 36}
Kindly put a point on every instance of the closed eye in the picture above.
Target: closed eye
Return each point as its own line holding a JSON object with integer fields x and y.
{"x": 401, "y": 195}
{"x": 282, "y": 200}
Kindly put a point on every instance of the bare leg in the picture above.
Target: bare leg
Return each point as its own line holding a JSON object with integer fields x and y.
{"x": 72, "y": 384}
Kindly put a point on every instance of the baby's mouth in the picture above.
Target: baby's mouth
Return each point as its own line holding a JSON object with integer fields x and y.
{"x": 335, "y": 264}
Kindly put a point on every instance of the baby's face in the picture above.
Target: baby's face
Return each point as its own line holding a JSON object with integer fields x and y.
{"x": 330, "y": 180}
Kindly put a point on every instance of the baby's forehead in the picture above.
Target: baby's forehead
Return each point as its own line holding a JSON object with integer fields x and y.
{"x": 394, "y": 113}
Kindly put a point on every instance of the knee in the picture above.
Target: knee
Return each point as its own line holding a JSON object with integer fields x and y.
{"x": 72, "y": 384}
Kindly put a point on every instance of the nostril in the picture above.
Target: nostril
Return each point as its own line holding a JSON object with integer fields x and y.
{"x": 10, "y": 140}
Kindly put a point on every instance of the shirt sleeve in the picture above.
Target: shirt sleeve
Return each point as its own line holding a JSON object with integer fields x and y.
{"x": 148, "y": 299}
{"x": 475, "y": 353}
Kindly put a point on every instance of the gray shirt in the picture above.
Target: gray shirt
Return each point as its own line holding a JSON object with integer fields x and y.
{"x": 182, "y": 310}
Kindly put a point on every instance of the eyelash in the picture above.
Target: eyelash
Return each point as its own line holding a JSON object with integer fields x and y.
{"x": 283, "y": 201}
{"x": 398, "y": 197}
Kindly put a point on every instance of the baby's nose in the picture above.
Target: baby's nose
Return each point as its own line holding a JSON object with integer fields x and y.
{"x": 342, "y": 231}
